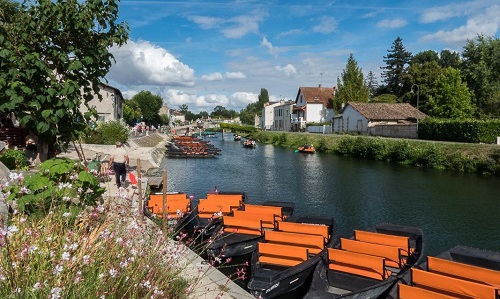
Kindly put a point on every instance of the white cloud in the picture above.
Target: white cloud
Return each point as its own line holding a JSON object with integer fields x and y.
{"x": 235, "y": 75}
{"x": 487, "y": 24}
{"x": 143, "y": 63}
{"x": 212, "y": 77}
{"x": 326, "y": 25}
{"x": 242, "y": 25}
{"x": 391, "y": 24}
{"x": 206, "y": 22}
{"x": 242, "y": 99}
{"x": 267, "y": 44}
{"x": 289, "y": 33}
{"x": 289, "y": 70}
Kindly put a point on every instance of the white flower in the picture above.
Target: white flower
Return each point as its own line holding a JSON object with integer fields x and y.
{"x": 54, "y": 293}
{"x": 65, "y": 256}
{"x": 86, "y": 259}
{"x": 113, "y": 272}
{"x": 66, "y": 215}
{"x": 58, "y": 269}
{"x": 11, "y": 230}
{"x": 36, "y": 286}
{"x": 32, "y": 248}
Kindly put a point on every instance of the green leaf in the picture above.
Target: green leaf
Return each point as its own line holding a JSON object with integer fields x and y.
{"x": 46, "y": 113}
{"x": 42, "y": 127}
{"x": 87, "y": 177}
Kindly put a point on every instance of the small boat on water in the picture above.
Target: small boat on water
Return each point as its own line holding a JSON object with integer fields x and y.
{"x": 249, "y": 143}
{"x": 461, "y": 272}
{"x": 287, "y": 257}
{"x": 190, "y": 147}
{"x": 240, "y": 232}
{"x": 306, "y": 148}
{"x": 367, "y": 265}
{"x": 237, "y": 137}
{"x": 178, "y": 208}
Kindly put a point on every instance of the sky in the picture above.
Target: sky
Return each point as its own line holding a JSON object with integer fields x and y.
{"x": 222, "y": 53}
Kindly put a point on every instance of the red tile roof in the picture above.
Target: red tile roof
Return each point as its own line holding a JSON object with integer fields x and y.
{"x": 317, "y": 95}
{"x": 387, "y": 111}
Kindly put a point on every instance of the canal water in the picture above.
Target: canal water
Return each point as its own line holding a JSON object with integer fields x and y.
{"x": 451, "y": 208}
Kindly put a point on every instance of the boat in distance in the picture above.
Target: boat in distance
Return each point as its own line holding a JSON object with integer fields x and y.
{"x": 367, "y": 265}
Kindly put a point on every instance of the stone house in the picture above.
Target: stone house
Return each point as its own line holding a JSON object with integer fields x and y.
{"x": 312, "y": 105}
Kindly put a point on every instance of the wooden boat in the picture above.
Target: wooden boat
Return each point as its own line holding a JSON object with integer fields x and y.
{"x": 306, "y": 148}
{"x": 461, "y": 272}
{"x": 287, "y": 257}
{"x": 178, "y": 208}
{"x": 190, "y": 147}
{"x": 240, "y": 233}
{"x": 249, "y": 143}
{"x": 237, "y": 137}
{"x": 367, "y": 265}
{"x": 208, "y": 214}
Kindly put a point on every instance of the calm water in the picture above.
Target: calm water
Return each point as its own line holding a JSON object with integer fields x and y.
{"x": 452, "y": 209}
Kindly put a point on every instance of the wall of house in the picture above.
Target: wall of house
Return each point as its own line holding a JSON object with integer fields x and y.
{"x": 111, "y": 106}
{"x": 282, "y": 118}
{"x": 394, "y": 130}
{"x": 350, "y": 121}
{"x": 315, "y": 113}
{"x": 324, "y": 129}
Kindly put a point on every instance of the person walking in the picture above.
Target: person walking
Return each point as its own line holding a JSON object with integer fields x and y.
{"x": 119, "y": 160}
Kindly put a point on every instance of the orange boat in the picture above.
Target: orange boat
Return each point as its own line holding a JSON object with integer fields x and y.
{"x": 306, "y": 148}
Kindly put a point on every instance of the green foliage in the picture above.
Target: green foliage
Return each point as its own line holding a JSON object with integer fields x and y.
{"x": 238, "y": 128}
{"x": 451, "y": 98}
{"x": 14, "y": 159}
{"x": 131, "y": 112}
{"x": 422, "y": 75}
{"x": 396, "y": 61}
{"x": 469, "y": 130}
{"x": 351, "y": 86}
{"x": 59, "y": 182}
{"x": 108, "y": 133}
{"x": 48, "y": 68}
{"x": 247, "y": 115}
{"x": 385, "y": 98}
{"x": 150, "y": 106}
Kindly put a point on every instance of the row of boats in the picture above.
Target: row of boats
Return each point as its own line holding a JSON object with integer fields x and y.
{"x": 289, "y": 253}
{"x": 190, "y": 147}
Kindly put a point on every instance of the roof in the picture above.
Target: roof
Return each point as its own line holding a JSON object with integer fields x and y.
{"x": 320, "y": 94}
{"x": 387, "y": 111}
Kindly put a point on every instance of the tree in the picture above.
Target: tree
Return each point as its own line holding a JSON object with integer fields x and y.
{"x": 53, "y": 55}
{"x": 396, "y": 61}
{"x": 184, "y": 108}
{"x": 424, "y": 75}
{"x": 131, "y": 111}
{"x": 372, "y": 84}
{"x": 481, "y": 71}
{"x": 247, "y": 115}
{"x": 150, "y": 106}
{"x": 424, "y": 57}
{"x": 451, "y": 97}
{"x": 448, "y": 58}
{"x": 350, "y": 86}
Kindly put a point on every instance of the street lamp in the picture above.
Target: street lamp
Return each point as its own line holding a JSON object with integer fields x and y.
{"x": 418, "y": 100}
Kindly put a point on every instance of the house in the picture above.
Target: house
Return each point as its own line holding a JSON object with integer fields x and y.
{"x": 176, "y": 116}
{"x": 282, "y": 116}
{"x": 312, "y": 105}
{"x": 379, "y": 119}
{"x": 267, "y": 116}
{"x": 111, "y": 105}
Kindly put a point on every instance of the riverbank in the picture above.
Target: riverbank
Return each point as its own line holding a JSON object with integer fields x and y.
{"x": 207, "y": 281}
{"x": 483, "y": 159}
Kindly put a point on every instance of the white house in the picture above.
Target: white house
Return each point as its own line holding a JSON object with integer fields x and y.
{"x": 267, "y": 116}
{"x": 282, "y": 116}
{"x": 312, "y": 105}
{"x": 111, "y": 105}
{"x": 176, "y": 116}
{"x": 378, "y": 119}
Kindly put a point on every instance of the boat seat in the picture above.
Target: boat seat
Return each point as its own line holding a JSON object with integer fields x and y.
{"x": 267, "y": 219}
{"x": 304, "y": 228}
{"x": 463, "y": 271}
{"x": 277, "y": 211}
{"x": 209, "y": 208}
{"x": 358, "y": 264}
{"x": 411, "y": 292}
{"x": 177, "y": 204}
{"x": 385, "y": 239}
{"x": 314, "y": 243}
{"x": 451, "y": 286}
{"x": 392, "y": 254}
{"x": 242, "y": 226}
{"x": 282, "y": 255}
{"x": 233, "y": 201}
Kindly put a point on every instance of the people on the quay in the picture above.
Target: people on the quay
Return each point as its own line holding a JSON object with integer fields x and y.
{"x": 119, "y": 159}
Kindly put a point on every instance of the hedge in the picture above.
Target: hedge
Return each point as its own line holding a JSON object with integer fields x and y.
{"x": 469, "y": 130}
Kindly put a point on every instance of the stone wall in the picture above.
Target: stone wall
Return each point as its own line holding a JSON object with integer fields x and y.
{"x": 394, "y": 131}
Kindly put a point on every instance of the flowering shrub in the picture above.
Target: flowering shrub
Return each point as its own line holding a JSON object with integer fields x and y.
{"x": 87, "y": 255}
{"x": 60, "y": 182}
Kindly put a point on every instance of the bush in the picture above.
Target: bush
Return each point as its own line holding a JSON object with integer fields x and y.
{"x": 109, "y": 133}
{"x": 14, "y": 159}
{"x": 470, "y": 130}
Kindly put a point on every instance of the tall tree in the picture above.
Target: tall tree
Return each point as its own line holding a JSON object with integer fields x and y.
{"x": 131, "y": 111}
{"x": 424, "y": 76}
{"x": 350, "y": 85}
{"x": 481, "y": 70}
{"x": 372, "y": 84}
{"x": 396, "y": 61}
{"x": 150, "y": 105}
{"x": 53, "y": 56}
{"x": 451, "y": 97}
{"x": 247, "y": 115}
{"x": 449, "y": 58}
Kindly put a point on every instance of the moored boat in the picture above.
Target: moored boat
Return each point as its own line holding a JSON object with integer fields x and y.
{"x": 177, "y": 208}
{"x": 244, "y": 229}
{"x": 306, "y": 148}
{"x": 249, "y": 143}
{"x": 461, "y": 272}
{"x": 367, "y": 265}
{"x": 287, "y": 257}
{"x": 237, "y": 137}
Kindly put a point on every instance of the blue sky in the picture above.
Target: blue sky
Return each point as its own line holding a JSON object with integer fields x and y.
{"x": 209, "y": 53}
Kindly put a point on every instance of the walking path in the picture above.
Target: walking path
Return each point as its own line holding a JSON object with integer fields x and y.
{"x": 209, "y": 282}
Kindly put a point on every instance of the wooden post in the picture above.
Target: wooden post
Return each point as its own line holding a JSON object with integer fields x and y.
{"x": 164, "y": 205}
{"x": 222, "y": 134}
{"x": 139, "y": 189}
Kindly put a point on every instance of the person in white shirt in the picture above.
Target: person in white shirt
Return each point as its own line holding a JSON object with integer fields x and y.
{"x": 119, "y": 160}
